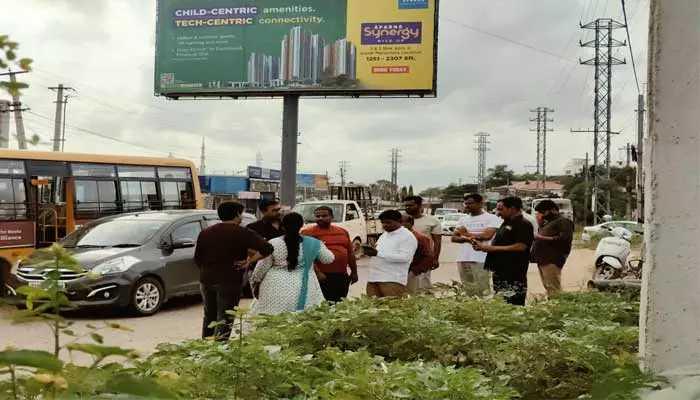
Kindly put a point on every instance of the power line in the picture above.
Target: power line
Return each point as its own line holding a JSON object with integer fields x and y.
{"x": 629, "y": 41}
{"x": 505, "y": 39}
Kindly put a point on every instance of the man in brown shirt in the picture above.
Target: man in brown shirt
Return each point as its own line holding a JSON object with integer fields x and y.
{"x": 552, "y": 245}
{"x": 423, "y": 259}
{"x": 222, "y": 257}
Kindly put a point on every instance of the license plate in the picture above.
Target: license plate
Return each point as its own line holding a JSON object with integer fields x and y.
{"x": 38, "y": 284}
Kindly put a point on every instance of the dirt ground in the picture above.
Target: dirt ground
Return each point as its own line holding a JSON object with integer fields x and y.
{"x": 181, "y": 319}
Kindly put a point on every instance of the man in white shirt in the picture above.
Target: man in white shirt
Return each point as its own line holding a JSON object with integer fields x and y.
{"x": 481, "y": 226}
{"x": 431, "y": 227}
{"x": 391, "y": 259}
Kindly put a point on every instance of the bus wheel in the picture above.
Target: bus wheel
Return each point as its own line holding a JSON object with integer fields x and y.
{"x": 357, "y": 248}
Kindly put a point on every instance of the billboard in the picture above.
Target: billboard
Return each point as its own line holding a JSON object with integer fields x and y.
{"x": 264, "y": 173}
{"x": 245, "y": 48}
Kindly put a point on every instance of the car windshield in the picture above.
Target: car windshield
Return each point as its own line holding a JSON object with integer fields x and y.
{"x": 453, "y": 217}
{"x": 114, "y": 233}
{"x": 307, "y": 211}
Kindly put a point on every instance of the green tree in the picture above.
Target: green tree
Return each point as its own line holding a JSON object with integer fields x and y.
{"x": 499, "y": 175}
{"x": 9, "y": 58}
{"x": 575, "y": 190}
{"x": 404, "y": 192}
{"x": 410, "y": 190}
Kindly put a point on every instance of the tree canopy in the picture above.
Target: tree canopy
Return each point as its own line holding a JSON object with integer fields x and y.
{"x": 9, "y": 58}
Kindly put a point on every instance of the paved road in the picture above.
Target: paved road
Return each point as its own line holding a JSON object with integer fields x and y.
{"x": 181, "y": 319}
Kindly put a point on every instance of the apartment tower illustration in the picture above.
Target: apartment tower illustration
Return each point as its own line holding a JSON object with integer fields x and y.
{"x": 304, "y": 59}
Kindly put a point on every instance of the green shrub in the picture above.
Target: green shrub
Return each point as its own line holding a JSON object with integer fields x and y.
{"x": 571, "y": 346}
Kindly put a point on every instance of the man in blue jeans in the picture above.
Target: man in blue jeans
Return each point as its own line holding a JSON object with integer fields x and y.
{"x": 222, "y": 258}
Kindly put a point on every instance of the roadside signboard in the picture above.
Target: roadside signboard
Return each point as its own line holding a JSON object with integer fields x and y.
{"x": 17, "y": 234}
{"x": 244, "y": 48}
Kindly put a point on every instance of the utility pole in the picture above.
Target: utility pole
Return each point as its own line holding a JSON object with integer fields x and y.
{"x": 19, "y": 122}
{"x": 586, "y": 173}
{"x": 603, "y": 61}
{"x": 63, "y": 130}
{"x": 203, "y": 160}
{"x": 481, "y": 148}
{"x": 395, "y": 156}
{"x": 541, "y": 130}
{"x": 343, "y": 171}
{"x": 628, "y": 181}
{"x": 639, "y": 156}
{"x": 59, "y": 114}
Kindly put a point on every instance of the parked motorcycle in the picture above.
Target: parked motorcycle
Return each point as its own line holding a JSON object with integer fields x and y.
{"x": 611, "y": 256}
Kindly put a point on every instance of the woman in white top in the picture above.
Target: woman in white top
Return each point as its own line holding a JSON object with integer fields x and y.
{"x": 285, "y": 281}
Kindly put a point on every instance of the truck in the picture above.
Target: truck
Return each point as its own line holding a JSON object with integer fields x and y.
{"x": 353, "y": 210}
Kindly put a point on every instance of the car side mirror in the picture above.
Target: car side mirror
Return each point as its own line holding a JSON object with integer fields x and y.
{"x": 183, "y": 243}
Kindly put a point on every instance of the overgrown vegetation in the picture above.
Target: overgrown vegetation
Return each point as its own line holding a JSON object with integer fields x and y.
{"x": 576, "y": 346}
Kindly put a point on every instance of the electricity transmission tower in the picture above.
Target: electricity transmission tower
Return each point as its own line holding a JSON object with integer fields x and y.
{"x": 343, "y": 171}
{"x": 542, "y": 130}
{"x": 603, "y": 62}
{"x": 481, "y": 148}
{"x": 203, "y": 160}
{"x": 395, "y": 156}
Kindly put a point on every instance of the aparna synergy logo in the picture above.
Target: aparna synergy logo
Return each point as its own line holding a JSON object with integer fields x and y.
{"x": 392, "y": 33}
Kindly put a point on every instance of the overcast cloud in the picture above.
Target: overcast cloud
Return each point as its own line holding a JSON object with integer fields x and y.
{"x": 105, "y": 50}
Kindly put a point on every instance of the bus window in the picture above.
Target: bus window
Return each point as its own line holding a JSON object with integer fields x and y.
{"x": 174, "y": 173}
{"x": 131, "y": 171}
{"x": 170, "y": 194}
{"x": 93, "y": 170}
{"x": 187, "y": 200}
{"x": 11, "y": 167}
{"x": 13, "y": 197}
{"x": 107, "y": 195}
{"x": 95, "y": 199}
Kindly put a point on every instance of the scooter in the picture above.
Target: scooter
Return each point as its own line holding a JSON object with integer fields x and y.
{"x": 611, "y": 255}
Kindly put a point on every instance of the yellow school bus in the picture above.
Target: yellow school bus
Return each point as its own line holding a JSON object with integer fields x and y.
{"x": 45, "y": 195}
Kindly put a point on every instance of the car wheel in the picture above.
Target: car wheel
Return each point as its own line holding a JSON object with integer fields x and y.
{"x": 357, "y": 248}
{"x": 147, "y": 297}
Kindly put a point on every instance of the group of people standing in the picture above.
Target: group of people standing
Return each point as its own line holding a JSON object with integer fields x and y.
{"x": 497, "y": 249}
{"x": 290, "y": 268}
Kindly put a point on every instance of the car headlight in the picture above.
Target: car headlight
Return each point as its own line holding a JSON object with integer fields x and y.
{"x": 115, "y": 266}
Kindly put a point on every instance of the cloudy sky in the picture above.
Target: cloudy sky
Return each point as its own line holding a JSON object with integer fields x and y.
{"x": 497, "y": 60}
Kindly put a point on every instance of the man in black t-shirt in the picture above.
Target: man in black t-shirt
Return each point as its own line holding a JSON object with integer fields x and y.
{"x": 508, "y": 256}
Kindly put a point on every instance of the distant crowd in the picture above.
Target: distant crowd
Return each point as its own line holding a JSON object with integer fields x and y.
{"x": 290, "y": 268}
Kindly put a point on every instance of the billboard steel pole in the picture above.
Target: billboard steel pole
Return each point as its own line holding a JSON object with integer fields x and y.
{"x": 290, "y": 129}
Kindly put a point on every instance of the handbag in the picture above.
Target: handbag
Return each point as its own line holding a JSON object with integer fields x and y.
{"x": 311, "y": 248}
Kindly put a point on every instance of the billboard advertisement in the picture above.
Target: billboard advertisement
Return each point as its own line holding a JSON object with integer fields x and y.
{"x": 309, "y": 47}
{"x": 264, "y": 173}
